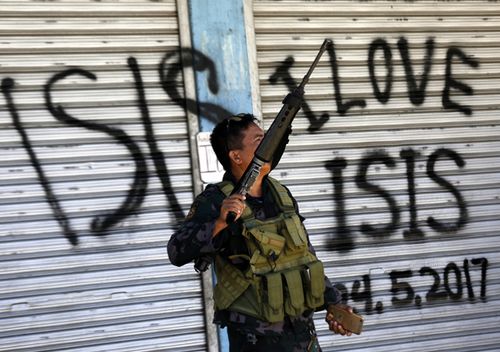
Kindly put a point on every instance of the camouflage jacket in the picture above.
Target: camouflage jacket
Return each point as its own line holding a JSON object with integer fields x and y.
{"x": 194, "y": 239}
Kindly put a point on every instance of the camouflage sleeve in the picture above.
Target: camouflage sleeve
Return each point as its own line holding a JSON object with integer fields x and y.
{"x": 194, "y": 236}
{"x": 332, "y": 294}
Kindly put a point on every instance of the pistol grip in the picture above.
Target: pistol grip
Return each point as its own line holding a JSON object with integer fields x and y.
{"x": 231, "y": 216}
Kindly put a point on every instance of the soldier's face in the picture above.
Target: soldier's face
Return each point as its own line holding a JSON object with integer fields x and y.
{"x": 252, "y": 137}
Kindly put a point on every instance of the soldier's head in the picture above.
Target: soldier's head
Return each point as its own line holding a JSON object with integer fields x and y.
{"x": 228, "y": 139}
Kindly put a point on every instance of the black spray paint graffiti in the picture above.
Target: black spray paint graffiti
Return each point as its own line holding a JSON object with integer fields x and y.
{"x": 200, "y": 62}
{"x": 342, "y": 107}
{"x": 405, "y": 294}
{"x": 62, "y": 219}
{"x": 343, "y": 241}
{"x": 137, "y": 192}
{"x": 283, "y": 73}
{"x": 416, "y": 91}
{"x": 154, "y": 150}
{"x": 169, "y": 69}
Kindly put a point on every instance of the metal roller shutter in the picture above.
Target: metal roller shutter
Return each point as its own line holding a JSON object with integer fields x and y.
{"x": 93, "y": 146}
{"x": 394, "y": 161}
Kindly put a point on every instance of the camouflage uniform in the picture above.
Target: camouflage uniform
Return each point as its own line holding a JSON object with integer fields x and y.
{"x": 194, "y": 239}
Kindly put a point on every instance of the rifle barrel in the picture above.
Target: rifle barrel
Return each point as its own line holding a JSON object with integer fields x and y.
{"x": 324, "y": 46}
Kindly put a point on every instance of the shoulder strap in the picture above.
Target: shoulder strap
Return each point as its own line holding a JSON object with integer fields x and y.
{"x": 281, "y": 196}
{"x": 226, "y": 187}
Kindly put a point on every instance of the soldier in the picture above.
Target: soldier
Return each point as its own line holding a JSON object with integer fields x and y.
{"x": 269, "y": 281}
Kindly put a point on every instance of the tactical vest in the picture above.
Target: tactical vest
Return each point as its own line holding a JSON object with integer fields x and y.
{"x": 284, "y": 277}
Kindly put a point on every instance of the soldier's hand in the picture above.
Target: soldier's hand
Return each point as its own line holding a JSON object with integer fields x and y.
{"x": 234, "y": 203}
{"x": 334, "y": 325}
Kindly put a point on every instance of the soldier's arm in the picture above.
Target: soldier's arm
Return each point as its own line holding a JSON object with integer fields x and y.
{"x": 194, "y": 237}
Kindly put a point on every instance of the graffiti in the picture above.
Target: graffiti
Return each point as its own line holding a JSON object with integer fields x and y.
{"x": 155, "y": 152}
{"x": 345, "y": 241}
{"x": 169, "y": 69}
{"x": 416, "y": 90}
{"x": 403, "y": 294}
{"x": 137, "y": 192}
{"x": 343, "y": 236}
{"x": 7, "y": 87}
{"x": 450, "y": 82}
{"x": 384, "y": 96}
{"x": 414, "y": 232}
{"x": 283, "y": 73}
{"x": 447, "y": 284}
{"x": 362, "y": 182}
{"x": 136, "y": 195}
{"x": 199, "y": 62}
{"x": 462, "y": 219}
{"x": 342, "y": 107}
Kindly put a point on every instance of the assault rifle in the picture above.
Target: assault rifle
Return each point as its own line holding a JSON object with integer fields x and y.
{"x": 275, "y": 134}
{"x": 272, "y": 140}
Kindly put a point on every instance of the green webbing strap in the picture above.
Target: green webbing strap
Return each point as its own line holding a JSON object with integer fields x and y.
{"x": 226, "y": 187}
{"x": 280, "y": 193}
{"x": 294, "y": 227}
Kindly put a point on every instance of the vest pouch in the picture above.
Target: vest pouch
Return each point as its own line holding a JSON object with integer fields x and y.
{"x": 270, "y": 244}
{"x": 259, "y": 264}
{"x": 295, "y": 233}
{"x": 272, "y": 298}
{"x": 314, "y": 277}
{"x": 294, "y": 293}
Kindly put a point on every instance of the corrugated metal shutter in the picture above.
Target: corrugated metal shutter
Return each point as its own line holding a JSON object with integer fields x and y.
{"x": 113, "y": 176}
{"x": 400, "y": 190}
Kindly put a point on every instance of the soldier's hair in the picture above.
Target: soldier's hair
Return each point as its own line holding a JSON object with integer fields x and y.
{"x": 228, "y": 134}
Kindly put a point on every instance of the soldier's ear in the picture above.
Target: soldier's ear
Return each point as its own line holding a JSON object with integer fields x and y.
{"x": 234, "y": 155}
